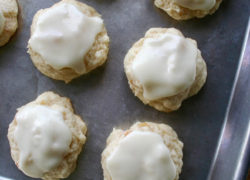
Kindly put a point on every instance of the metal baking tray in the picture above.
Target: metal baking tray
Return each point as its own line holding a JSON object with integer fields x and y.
{"x": 214, "y": 125}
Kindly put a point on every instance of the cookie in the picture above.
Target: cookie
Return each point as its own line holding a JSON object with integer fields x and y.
{"x": 164, "y": 68}
{"x": 144, "y": 150}
{"x": 46, "y": 137}
{"x": 183, "y": 9}
{"x": 68, "y": 40}
{"x": 8, "y": 20}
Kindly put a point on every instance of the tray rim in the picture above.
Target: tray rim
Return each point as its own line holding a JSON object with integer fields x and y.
{"x": 243, "y": 154}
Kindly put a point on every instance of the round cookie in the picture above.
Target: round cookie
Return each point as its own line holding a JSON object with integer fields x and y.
{"x": 181, "y": 13}
{"x": 95, "y": 56}
{"x": 171, "y": 103}
{"x": 9, "y": 10}
{"x": 74, "y": 123}
{"x": 168, "y": 135}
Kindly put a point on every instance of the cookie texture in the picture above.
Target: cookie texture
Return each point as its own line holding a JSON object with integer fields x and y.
{"x": 181, "y": 13}
{"x": 171, "y": 103}
{"x": 94, "y": 58}
{"x": 10, "y": 12}
{"x": 168, "y": 135}
{"x": 76, "y": 125}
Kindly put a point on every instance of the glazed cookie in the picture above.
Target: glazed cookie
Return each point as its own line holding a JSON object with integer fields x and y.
{"x": 8, "y": 20}
{"x": 46, "y": 137}
{"x": 187, "y": 9}
{"x": 145, "y": 151}
{"x": 68, "y": 40}
{"x": 164, "y": 68}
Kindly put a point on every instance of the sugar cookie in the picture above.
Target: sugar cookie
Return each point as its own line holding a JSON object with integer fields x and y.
{"x": 187, "y": 9}
{"x": 68, "y": 40}
{"x": 164, "y": 68}
{"x": 145, "y": 150}
{"x": 46, "y": 137}
{"x": 8, "y": 20}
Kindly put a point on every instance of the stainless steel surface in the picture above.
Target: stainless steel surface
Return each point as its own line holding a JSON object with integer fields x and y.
{"x": 233, "y": 150}
{"x": 104, "y": 99}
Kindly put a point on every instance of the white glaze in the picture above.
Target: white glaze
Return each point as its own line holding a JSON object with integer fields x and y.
{"x": 64, "y": 35}
{"x": 2, "y": 21}
{"x": 43, "y": 139}
{"x": 196, "y": 4}
{"x": 165, "y": 66}
{"x": 141, "y": 156}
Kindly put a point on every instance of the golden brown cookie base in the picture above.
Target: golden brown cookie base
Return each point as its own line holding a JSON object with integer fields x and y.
{"x": 181, "y": 13}
{"x": 169, "y": 136}
{"x": 94, "y": 58}
{"x": 167, "y": 104}
{"x": 76, "y": 125}
{"x": 10, "y": 12}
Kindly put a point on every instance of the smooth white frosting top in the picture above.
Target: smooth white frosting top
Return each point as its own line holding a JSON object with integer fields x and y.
{"x": 43, "y": 139}
{"x": 196, "y": 4}
{"x": 165, "y": 65}
{"x": 63, "y": 35}
{"x": 2, "y": 21}
{"x": 141, "y": 156}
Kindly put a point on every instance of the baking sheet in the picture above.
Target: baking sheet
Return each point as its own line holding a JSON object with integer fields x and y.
{"x": 103, "y": 97}
{"x": 232, "y": 156}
